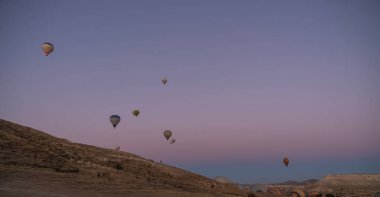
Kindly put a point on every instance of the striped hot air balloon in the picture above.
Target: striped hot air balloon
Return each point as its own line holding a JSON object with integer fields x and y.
{"x": 114, "y": 119}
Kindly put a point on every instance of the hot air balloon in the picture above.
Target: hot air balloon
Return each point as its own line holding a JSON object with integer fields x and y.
{"x": 172, "y": 141}
{"x": 167, "y": 134}
{"x": 115, "y": 119}
{"x": 136, "y": 112}
{"x": 47, "y": 48}
{"x": 117, "y": 148}
{"x": 164, "y": 80}
{"x": 286, "y": 161}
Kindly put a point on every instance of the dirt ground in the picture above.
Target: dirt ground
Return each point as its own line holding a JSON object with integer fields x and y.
{"x": 34, "y": 163}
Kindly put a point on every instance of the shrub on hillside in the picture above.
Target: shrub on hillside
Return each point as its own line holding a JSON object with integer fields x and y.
{"x": 119, "y": 167}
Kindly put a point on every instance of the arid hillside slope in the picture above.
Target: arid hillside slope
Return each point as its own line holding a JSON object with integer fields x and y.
{"x": 34, "y": 163}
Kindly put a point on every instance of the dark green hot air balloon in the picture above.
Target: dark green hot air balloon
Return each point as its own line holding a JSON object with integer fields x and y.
{"x": 136, "y": 112}
{"x": 167, "y": 134}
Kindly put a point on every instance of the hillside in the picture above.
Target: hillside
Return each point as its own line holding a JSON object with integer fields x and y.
{"x": 348, "y": 184}
{"x": 34, "y": 163}
{"x": 297, "y": 183}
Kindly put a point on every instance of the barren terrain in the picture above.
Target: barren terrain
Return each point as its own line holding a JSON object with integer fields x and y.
{"x": 34, "y": 163}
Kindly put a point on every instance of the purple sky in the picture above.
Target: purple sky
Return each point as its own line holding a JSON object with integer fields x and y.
{"x": 249, "y": 82}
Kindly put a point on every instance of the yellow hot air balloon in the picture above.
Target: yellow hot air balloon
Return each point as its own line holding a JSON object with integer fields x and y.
{"x": 47, "y": 48}
{"x": 114, "y": 119}
{"x": 136, "y": 112}
{"x": 286, "y": 161}
{"x": 167, "y": 134}
{"x": 164, "y": 80}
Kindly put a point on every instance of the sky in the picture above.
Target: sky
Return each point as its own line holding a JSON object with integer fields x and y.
{"x": 249, "y": 82}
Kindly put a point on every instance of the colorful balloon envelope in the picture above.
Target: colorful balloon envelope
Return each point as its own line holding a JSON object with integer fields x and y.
{"x": 47, "y": 48}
